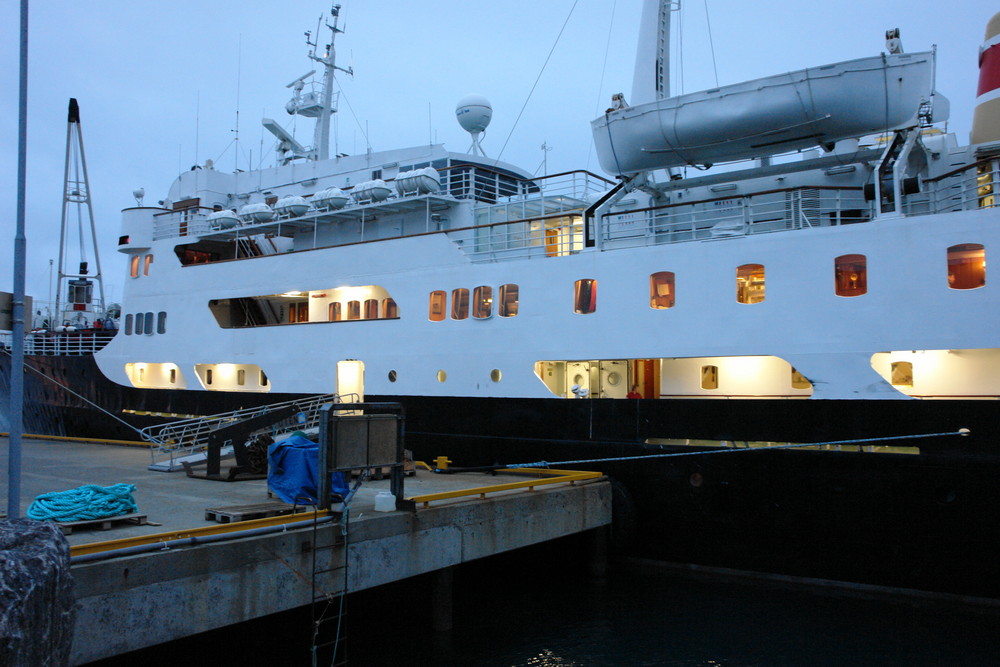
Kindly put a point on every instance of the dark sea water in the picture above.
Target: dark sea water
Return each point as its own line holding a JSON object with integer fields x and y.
{"x": 540, "y": 608}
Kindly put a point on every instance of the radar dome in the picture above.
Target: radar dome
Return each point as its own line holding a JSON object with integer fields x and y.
{"x": 474, "y": 113}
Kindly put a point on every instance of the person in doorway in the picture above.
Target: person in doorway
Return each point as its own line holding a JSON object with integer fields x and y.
{"x": 634, "y": 393}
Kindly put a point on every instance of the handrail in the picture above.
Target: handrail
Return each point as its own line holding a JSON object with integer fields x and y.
{"x": 550, "y": 476}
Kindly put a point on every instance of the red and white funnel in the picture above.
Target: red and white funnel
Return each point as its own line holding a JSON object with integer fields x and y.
{"x": 986, "y": 118}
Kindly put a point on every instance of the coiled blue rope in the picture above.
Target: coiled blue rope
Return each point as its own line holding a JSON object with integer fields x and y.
{"x": 86, "y": 503}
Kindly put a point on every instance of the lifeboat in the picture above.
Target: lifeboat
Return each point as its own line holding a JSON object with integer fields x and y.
{"x": 291, "y": 205}
{"x": 223, "y": 220}
{"x": 259, "y": 212}
{"x": 418, "y": 182}
{"x": 330, "y": 198}
{"x": 772, "y": 115}
{"x": 375, "y": 190}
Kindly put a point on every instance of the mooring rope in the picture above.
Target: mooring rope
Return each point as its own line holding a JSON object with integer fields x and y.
{"x": 855, "y": 441}
{"x": 86, "y": 503}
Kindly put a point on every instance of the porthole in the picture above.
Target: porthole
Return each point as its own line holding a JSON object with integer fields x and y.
{"x": 392, "y": 376}
{"x": 495, "y": 375}
{"x": 441, "y": 376}
{"x": 614, "y": 378}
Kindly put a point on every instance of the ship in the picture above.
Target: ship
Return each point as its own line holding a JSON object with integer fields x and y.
{"x": 787, "y": 364}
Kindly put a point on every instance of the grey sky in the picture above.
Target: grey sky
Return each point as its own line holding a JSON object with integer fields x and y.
{"x": 158, "y": 82}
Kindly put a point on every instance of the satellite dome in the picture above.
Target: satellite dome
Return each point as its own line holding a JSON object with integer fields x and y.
{"x": 474, "y": 113}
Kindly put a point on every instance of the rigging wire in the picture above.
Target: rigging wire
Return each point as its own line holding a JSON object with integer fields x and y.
{"x": 600, "y": 86}
{"x": 535, "y": 84}
{"x": 711, "y": 44}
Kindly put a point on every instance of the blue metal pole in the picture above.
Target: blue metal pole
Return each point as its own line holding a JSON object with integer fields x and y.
{"x": 17, "y": 353}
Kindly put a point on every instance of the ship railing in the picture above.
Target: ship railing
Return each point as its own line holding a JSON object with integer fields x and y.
{"x": 736, "y": 215}
{"x": 61, "y": 344}
{"x": 191, "y": 221}
{"x": 967, "y": 188}
{"x": 175, "y": 440}
{"x": 554, "y": 235}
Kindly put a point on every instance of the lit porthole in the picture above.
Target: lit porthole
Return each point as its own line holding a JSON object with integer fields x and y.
{"x": 495, "y": 375}
{"x": 442, "y": 376}
{"x": 392, "y": 376}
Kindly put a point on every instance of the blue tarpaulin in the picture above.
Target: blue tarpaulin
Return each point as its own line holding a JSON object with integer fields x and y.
{"x": 291, "y": 472}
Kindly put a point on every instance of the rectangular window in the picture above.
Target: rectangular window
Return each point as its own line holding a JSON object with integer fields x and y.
{"x": 335, "y": 315}
{"x": 354, "y": 310}
{"x": 128, "y": 324}
{"x": 482, "y": 299}
{"x": 850, "y": 274}
{"x": 459, "y": 304}
{"x": 298, "y": 312}
{"x": 263, "y": 379}
{"x": 173, "y": 376}
{"x": 148, "y": 324}
{"x": 661, "y": 290}
{"x": 133, "y": 267}
{"x": 585, "y": 296}
{"x": 145, "y": 266}
{"x": 161, "y": 322}
{"x": 389, "y": 309}
{"x": 208, "y": 376}
{"x": 966, "y": 266}
{"x": 709, "y": 377}
{"x": 438, "y": 304}
{"x": 508, "y": 300}
{"x": 371, "y": 309}
{"x": 241, "y": 377}
{"x": 750, "y": 283}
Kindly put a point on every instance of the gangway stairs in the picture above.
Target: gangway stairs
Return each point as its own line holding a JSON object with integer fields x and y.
{"x": 186, "y": 441}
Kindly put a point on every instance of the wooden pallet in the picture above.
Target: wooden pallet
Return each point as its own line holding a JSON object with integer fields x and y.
{"x": 102, "y": 524}
{"x": 235, "y": 513}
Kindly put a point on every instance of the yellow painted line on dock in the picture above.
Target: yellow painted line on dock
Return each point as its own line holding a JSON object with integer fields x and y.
{"x": 546, "y": 476}
{"x": 66, "y": 438}
{"x": 234, "y": 527}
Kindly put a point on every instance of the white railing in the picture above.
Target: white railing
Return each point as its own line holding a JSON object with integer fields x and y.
{"x": 969, "y": 188}
{"x": 186, "y": 437}
{"x": 55, "y": 344}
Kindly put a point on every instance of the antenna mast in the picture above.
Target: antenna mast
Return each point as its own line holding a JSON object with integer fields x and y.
{"x": 319, "y": 104}
{"x": 76, "y": 191}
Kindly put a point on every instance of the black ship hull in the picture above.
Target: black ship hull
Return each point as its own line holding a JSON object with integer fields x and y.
{"x": 926, "y": 519}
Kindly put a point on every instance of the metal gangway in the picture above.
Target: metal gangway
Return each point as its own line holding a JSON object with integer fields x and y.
{"x": 186, "y": 440}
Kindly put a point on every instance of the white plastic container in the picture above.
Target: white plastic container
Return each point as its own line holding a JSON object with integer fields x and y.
{"x": 385, "y": 502}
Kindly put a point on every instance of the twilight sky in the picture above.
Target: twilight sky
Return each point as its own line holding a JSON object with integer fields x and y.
{"x": 159, "y": 83}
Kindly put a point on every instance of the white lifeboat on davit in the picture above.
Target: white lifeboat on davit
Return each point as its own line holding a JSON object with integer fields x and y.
{"x": 776, "y": 114}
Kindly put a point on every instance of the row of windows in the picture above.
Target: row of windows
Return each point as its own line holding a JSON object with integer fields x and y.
{"x": 337, "y": 311}
{"x": 966, "y": 270}
{"x": 145, "y": 260}
{"x": 142, "y": 323}
{"x": 482, "y": 303}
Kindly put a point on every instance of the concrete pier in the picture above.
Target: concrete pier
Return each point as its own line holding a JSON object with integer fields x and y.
{"x": 128, "y": 602}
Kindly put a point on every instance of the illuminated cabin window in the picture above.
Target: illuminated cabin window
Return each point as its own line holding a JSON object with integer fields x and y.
{"x": 161, "y": 322}
{"x": 508, "y": 300}
{"x": 133, "y": 267}
{"x": 232, "y": 377}
{"x": 298, "y": 312}
{"x": 146, "y": 263}
{"x": 128, "y": 324}
{"x": 585, "y": 296}
{"x": 371, "y": 309}
{"x": 799, "y": 381}
{"x": 750, "y": 283}
{"x": 441, "y": 376}
{"x": 850, "y": 275}
{"x": 482, "y": 302}
{"x": 661, "y": 290}
{"x": 902, "y": 373}
{"x": 709, "y": 377}
{"x": 390, "y": 310}
{"x": 354, "y": 310}
{"x": 966, "y": 266}
{"x": 459, "y": 304}
{"x": 438, "y": 303}
{"x": 984, "y": 186}
{"x": 335, "y": 311}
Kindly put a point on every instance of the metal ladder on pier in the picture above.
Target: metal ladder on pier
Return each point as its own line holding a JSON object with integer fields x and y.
{"x": 329, "y": 566}
{"x": 186, "y": 440}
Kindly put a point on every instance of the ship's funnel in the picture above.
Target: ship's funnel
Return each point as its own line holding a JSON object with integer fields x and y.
{"x": 986, "y": 118}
